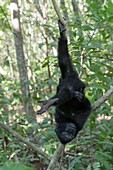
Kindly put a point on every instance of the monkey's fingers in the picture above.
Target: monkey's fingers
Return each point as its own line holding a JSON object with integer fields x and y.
{"x": 78, "y": 95}
{"x": 46, "y": 104}
{"x": 41, "y": 111}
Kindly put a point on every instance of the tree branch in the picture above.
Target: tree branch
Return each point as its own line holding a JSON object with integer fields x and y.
{"x": 23, "y": 140}
{"x": 102, "y": 99}
{"x": 58, "y": 13}
{"x": 56, "y": 157}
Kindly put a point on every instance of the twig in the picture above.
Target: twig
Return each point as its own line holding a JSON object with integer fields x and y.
{"x": 58, "y": 13}
{"x": 90, "y": 38}
{"x": 24, "y": 140}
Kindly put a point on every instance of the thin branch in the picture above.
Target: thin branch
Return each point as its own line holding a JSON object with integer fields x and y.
{"x": 90, "y": 38}
{"x": 23, "y": 140}
{"x": 58, "y": 13}
{"x": 102, "y": 99}
{"x": 38, "y": 8}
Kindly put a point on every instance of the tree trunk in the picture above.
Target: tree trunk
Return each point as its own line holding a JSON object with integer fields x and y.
{"x": 76, "y": 13}
{"x": 18, "y": 39}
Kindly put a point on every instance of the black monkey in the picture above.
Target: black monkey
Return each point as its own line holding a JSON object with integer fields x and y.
{"x": 72, "y": 106}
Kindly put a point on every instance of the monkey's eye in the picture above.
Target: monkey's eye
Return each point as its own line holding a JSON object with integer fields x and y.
{"x": 82, "y": 90}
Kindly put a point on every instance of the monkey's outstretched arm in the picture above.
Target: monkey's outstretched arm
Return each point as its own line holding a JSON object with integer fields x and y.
{"x": 59, "y": 99}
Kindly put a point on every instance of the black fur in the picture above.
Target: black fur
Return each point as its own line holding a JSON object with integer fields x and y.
{"x": 72, "y": 107}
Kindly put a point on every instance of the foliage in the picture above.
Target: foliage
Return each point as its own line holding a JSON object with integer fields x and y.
{"x": 15, "y": 166}
{"x": 91, "y": 47}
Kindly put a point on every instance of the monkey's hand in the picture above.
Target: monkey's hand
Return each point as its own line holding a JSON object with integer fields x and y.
{"x": 78, "y": 95}
{"x": 46, "y": 104}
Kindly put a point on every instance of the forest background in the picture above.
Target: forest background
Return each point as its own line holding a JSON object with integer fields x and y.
{"x": 29, "y": 72}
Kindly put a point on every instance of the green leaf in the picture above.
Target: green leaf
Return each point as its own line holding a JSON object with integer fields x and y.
{"x": 109, "y": 46}
{"x": 102, "y": 160}
{"x": 110, "y": 68}
{"x": 87, "y": 27}
{"x": 47, "y": 25}
{"x": 14, "y": 166}
{"x": 95, "y": 44}
{"x": 110, "y": 6}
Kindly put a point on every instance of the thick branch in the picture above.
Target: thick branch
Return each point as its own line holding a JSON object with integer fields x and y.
{"x": 56, "y": 156}
{"x": 24, "y": 140}
{"x": 58, "y": 13}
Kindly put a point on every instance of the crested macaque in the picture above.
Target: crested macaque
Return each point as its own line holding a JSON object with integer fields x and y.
{"x": 72, "y": 107}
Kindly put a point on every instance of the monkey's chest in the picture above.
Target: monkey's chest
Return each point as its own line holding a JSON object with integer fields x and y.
{"x": 71, "y": 108}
